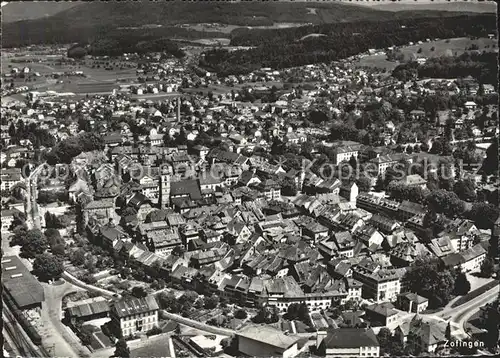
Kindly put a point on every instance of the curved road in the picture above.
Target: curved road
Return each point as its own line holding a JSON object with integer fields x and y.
{"x": 459, "y": 315}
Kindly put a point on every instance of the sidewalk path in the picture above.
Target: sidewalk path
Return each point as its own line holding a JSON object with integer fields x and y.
{"x": 72, "y": 279}
{"x": 199, "y": 325}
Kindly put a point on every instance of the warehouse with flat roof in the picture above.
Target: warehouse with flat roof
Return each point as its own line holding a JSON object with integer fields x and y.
{"x": 20, "y": 284}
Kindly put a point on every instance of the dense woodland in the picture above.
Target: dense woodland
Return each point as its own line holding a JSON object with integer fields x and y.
{"x": 118, "y": 45}
{"x": 482, "y": 66}
{"x": 118, "y": 42}
{"x": 288, "y": 48}
{"x": 81, "y": 23}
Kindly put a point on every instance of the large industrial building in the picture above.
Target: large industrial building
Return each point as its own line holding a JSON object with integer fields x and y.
{"x": 20, "y": 284}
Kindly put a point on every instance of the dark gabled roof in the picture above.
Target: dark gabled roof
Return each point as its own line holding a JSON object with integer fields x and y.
{"x": 89, "y": 309}
{"x": 189, "y": 187}
{"x": 351, "y": 338}
{"x": 412, "y": 207}
{"x": 159, "y": 215}
{"x": 385, "y": 309}
{"x": 414, "y": 297}
{"x": 133, "y": 306}
{"x": 224, "y": 156}
{"x": 137, "y": 200}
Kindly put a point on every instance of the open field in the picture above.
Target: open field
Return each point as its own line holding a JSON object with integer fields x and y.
{"x": 377, "y": 61}
{"x": 94, "y": 79}
{"x": 228, "y": 28}
{"x": 211, "y": 27}
{"x": 211, "y": 41}
{"x": 451, "y": 47}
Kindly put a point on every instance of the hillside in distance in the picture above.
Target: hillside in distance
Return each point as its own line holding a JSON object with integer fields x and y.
{"x": 440, "y": 5}
{"x": 20, "y": 10}
{"x": 292, "y": 47}
{"x": 87, "y": 20}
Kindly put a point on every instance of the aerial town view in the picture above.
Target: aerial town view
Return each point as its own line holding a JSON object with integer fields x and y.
{"x": 250, "y": 179}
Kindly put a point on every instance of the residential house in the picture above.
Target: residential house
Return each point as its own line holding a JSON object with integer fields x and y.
{"x": 349, "y": 192}
{"x": 414, "y": 180}
{"x": 422, "y": 336}
{"x": 384, "y": 162}
{"x": 381, "y": 314}
{"x": 409, "y": 209}
{"x": 383, "y": 223}
{"x": 344, "y": 153}
{"x": 470, "y": 105}
{"x": 462, "y": 233}
{"x": 239, "y": 231}
{"x": 8, "y": 216}
{"x": 270, "y": 189}
{"x": 162, "y": 241}
{"x": 468, "y": 260}
{"x": 368, "y": 235}
{"x": 417, "y": 114}
{"x": 9, "y": 178}
{"x": 378, "y": 284}
{"x": 348, "y": 342}
{"x": 103, "y": 210}
{"x": 133, "y": 316}
{"x": 411, "y": 302}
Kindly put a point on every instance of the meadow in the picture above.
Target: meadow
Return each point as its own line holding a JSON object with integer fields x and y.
{"x": 449, "y": 47}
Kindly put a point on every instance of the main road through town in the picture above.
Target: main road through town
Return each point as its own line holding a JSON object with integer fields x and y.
{"x": 459, "y": 315}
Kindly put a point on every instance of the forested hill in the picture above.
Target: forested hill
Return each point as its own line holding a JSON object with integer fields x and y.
{"x": 404, "y": 27}
{"x": 288, "y": 48}
{"x": 83, "y": 22}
